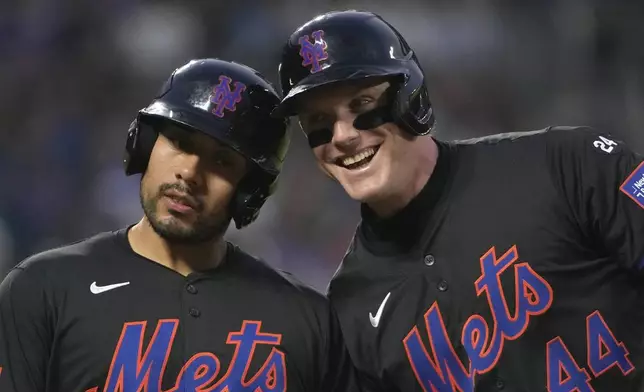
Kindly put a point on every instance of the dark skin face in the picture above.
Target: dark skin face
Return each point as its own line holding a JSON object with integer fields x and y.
{"x": 188, "y": 186}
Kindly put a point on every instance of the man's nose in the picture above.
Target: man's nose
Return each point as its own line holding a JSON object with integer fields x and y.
{"x": 188, "y": 170}
{"x": 345, "y": 135}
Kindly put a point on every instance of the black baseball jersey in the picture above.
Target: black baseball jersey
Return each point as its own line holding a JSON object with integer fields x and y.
{"x": 96, "y": 317}
{"x": 518, "y": 267}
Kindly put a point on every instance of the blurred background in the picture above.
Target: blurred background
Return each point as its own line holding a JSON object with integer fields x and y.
{"x": 73, "y": 74}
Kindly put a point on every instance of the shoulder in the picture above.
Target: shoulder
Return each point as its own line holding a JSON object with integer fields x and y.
{"x": 501, "y": 148}
{"x": 560, "y": 134}
{"x": 276, "y": 280}
{"x": 504, "y": 138}
{"x": 547, "y": 143}
{"x": 43, "y": 272}
{"x": 56, "y": 260}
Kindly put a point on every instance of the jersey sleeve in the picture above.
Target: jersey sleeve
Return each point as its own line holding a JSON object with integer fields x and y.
{"x": 25, "y": 333}
{"x": 602, "y": 180}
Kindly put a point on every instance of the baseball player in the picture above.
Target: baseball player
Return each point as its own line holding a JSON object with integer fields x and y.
{"x": 167, "y": 304}
{"x": 511, "y": 262}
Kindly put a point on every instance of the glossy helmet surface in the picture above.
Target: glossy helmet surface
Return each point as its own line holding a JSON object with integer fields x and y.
{"x": 351, "y": 45}
{"x": 230, "y": 102}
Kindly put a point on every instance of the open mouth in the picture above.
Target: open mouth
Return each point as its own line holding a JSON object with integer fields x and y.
{"x": 358, "y": 160}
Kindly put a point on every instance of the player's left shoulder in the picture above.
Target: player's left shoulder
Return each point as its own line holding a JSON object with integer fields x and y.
{"x": 306, "y": 291}
{"x": 501, "y": 139}
{"x": 275, "y": 280}
{"x": 584, "y": 140}
{"x": 305, "y": 295}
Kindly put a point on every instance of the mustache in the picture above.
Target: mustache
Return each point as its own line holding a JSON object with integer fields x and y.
{"x": 189, "y": 197}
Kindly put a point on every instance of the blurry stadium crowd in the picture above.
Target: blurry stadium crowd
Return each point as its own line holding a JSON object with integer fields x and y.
{"x": 74, "y": 73}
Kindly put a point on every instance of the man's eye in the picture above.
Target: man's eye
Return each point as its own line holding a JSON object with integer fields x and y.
{"x": 181, "y": 143}
{"x": 222, "y": 161}
{"x": 362, "y": 104}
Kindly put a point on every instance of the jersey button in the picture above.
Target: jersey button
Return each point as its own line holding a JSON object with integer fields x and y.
{"x": 499, "y": 384}
{"x": 442, "y": 285}
{"x": 194, "y": 312}
{"x": 191, "y": 289}
{"x": 429, "y": 260}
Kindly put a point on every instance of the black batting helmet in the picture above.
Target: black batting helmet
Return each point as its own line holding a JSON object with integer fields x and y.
{"x": 351, "y": 45}
{"x": 230, "y": 102}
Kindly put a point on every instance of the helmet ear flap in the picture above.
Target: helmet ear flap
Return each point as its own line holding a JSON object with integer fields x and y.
{"x": 141, "y": 137}
{"x": 134, "y": 162}
{"x": 251, "y": 194}
{"x": 412, "y": 107}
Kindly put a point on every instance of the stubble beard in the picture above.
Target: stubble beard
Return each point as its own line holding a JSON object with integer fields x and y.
{"x": 205, "y": 228}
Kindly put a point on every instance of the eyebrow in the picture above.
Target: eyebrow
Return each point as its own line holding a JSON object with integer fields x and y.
{"x": 201, "y": 139}
{"x": 222, "y": 148}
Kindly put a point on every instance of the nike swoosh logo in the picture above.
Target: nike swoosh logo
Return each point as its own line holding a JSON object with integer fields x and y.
{"x": 376, "y": 320}
{"x": 96, "y": 289}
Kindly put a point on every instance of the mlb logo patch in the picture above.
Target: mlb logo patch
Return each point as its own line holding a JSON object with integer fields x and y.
{"x": 633, "y": 187}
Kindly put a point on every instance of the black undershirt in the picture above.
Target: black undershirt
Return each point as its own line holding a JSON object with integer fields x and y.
{"x": 398, "y": 233}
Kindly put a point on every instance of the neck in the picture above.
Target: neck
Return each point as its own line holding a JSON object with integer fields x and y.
{"x": 182, "y": 258}
{"x": 424, "y": 166}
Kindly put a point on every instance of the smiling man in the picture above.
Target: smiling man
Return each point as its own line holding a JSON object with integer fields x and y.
{"x": 512, "y": 262}
{"x": 376, "y": 166}
{"x": 167, "y": 304}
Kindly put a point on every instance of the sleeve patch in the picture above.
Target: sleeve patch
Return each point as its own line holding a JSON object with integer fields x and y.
{"x": 633, "y": 187}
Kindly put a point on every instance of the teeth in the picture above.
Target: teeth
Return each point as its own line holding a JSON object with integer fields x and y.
{"x": 359, "y": 157}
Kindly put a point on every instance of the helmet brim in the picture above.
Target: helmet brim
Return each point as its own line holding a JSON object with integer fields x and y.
{"x": 332, "y": 75}
{"x": 196, "y": 121}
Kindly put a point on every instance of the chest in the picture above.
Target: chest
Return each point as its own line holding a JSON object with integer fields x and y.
{"x": 502, "y": 270}
{"x": 188, "y": 335}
